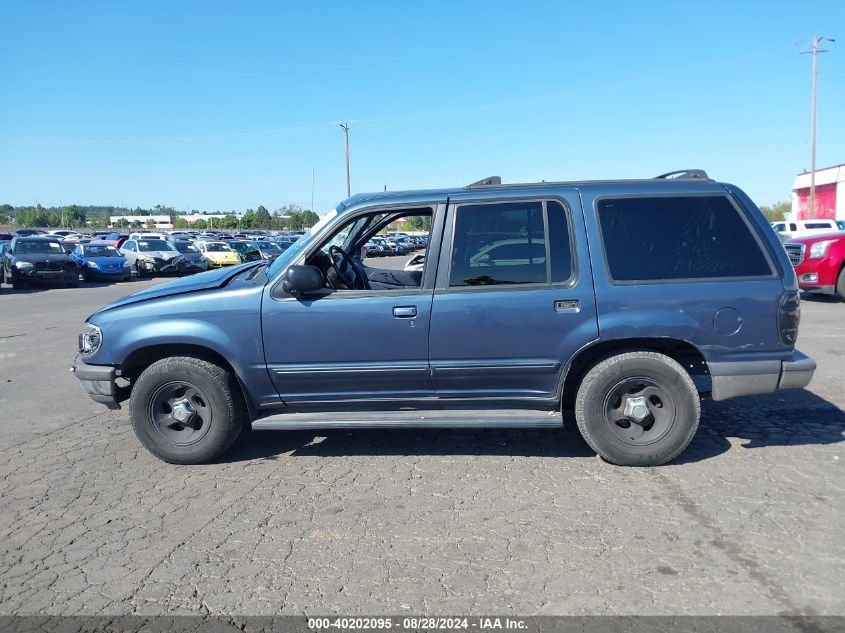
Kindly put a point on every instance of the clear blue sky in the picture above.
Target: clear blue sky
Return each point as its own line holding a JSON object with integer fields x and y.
{"x": 222, "y": 104}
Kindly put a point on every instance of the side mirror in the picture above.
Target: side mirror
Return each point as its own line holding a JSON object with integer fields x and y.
{"x": 301, "y": 279}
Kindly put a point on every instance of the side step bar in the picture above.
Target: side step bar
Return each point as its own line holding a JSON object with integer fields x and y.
{"x": 417, "y": 418}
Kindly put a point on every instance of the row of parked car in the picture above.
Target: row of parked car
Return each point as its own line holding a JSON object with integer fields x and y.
{"x": 34, "y": 256}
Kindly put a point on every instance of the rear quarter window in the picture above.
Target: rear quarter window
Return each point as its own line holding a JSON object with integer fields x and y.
{"x": 679, "y": 237}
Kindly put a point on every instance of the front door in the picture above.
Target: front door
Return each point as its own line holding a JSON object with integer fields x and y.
{"x": 350, "y": 345}
{"x": 514, "y": 296}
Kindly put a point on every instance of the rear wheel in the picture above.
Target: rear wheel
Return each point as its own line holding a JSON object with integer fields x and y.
{"x": 186, "y": 410}
{"x": 637, "y": 409}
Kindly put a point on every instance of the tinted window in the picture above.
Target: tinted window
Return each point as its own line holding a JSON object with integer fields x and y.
{"x": 818, "y": 225}
{"x": 500, "y": 243}
{"x": 694, "y": 237}
{"x": 560, "y": 248}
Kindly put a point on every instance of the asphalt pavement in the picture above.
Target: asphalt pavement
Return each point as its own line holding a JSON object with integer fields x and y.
{"x": 747, "y": 521}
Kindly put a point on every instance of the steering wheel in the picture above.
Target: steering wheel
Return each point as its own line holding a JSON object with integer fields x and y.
{"x": 347, "y": 270}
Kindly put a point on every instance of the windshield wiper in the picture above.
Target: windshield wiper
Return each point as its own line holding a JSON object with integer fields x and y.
{"x": 255, "y": 270}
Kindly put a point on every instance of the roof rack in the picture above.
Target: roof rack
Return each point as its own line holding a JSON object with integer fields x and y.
{"x": 684, "y": 174}
{"x": 492, "y": 180}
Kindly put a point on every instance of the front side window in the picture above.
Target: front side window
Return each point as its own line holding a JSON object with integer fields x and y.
{"x": 680, "y": 237}
{"x": 505, "y": 243}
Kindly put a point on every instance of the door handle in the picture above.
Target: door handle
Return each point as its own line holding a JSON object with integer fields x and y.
{"x": 567, "y": 305}
{"x": 405, "y": 312}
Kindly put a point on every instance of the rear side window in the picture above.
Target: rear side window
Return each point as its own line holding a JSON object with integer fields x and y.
{"x": 506, "y": 243}
{"x": 818, "y": 225}
{"x": 685, "y": 237}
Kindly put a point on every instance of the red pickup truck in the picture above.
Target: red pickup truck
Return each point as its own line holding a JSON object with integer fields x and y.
{"x": 819, "y": 262}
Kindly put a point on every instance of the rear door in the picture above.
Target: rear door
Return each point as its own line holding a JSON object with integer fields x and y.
{"x": 514, "y": 297}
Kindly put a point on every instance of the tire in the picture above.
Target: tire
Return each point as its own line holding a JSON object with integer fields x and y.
{"x": 138, "y": 271}
{"x": 645, "y": 378}
{"x": 216, "y": 425}
{"x": 840, "y": 284}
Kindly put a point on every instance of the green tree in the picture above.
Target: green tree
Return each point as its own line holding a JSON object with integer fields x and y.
{"x": 262, "y": 218}
{"x": 248, "y": 220}
{"x": 309, "y": 219}
{"x": 122, "y": 223}
{"x": 777, "y": 211}
{"x": 136, "y": 224}
{"x": 229, "y": 222}
{"x": 151, "y": 224}
{"x": 200, "y": 224}
{"x": 180, "y": 223}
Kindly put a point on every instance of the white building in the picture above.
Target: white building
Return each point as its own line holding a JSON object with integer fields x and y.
{"x": 161, "y": 221}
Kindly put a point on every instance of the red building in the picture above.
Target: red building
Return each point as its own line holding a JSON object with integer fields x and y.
{"x": 830, "y": 194}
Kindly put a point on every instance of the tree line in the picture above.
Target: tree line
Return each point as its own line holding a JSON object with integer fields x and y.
{"x": 81, "y": 216}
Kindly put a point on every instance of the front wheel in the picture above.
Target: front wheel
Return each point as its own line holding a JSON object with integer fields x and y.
{"x": 840, "y": 284}
{"x": 186, "y": 410}
{"x": 637, "y": 409}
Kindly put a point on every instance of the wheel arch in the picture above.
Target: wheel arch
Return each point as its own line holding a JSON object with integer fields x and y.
{"x": 683, "y": 352}
{"x": 143, "y": 357}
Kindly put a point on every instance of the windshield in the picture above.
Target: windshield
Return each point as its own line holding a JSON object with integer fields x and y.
{"x": 185, "y": 247}
{"x": 266, "y": 246}
{"x": 299, "y": 245}
{"x": 100, "y": 251}
{"x": 216, "y": 247}
{"x": 148, "y": 246}
{"x": 45, "y": 247}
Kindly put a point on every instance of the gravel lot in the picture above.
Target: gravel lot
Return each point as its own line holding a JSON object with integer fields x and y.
{"x": 748, "y": 521}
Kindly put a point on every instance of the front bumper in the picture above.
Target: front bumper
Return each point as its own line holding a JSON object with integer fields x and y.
{"x": 745, "y": 378}
{"x": 98, "y": 381}
{"x": 171, "y": 266}
{"x": 42, "y": 276}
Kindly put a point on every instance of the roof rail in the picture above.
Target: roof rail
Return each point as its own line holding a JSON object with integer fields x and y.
{"x": 684, "y": 174}
{"x": 492, "y": 180}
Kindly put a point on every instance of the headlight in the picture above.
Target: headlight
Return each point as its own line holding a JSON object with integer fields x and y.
{"x": 202, "y": 260}
{"x": 818, "y": 250}
{"x": 126, "y": 264}
{"x": 92, "y": 265}
{"x": 22, "y": 265}
{"x": 90, "y": 340}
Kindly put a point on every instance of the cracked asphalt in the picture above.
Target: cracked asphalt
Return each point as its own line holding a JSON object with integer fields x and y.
{"x": 747, "y": 521}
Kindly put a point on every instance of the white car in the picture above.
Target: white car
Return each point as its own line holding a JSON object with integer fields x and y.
{"x": 147, "y": 236}
{"x": 147, "y": 257}
{"x": 802, "y": 228}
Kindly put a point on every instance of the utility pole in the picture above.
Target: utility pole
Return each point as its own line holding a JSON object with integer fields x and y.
{"x": 817, "y": 40}
{"x": 345, "y": 128}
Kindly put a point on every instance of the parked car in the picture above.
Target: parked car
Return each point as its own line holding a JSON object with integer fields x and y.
{"x": 218, "y": 254}
{"x": 245, "y": 250}
{"x": 33, "y": 259}
{"x": 800, "y": 228}
{"x": 4, "y": 246}
{"x": 415, "y": 264}
{"x": 147, "y": 236}
{"x": 614, "y": 332}
{"x": 23, "y": 232}
{"x": 195, "y": 261}
{"x": 266, "y": 249}
{"x": 819, "y": 262}
{"x": 148, "y": 257}
{"x": 100, "y": 260}
{"x": 6, "y": 237}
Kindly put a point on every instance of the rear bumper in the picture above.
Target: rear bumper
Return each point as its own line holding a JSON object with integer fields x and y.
{"x": 746, "y": 378}
{"x": 98, "y": 381}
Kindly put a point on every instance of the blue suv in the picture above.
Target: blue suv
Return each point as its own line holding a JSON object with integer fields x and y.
{"x": 624, "y": 302}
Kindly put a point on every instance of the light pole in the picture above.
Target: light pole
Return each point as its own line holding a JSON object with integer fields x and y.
{"x": 345, "y": 127}
{"x": 817, "y": 40}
